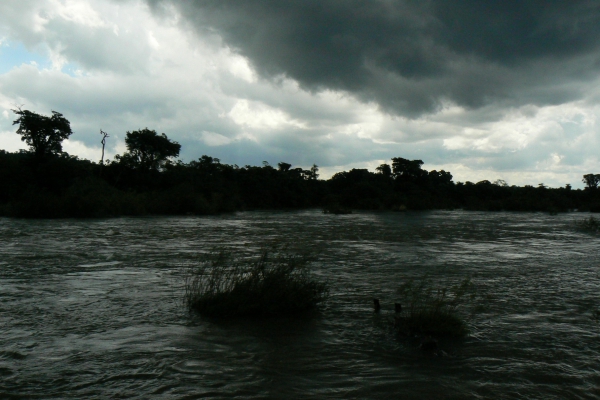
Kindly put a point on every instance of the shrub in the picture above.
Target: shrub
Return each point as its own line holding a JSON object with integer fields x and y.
{"x": 429, "y": 311}
{"x": 274, "y": 283}
{"x": 590, "y": 224}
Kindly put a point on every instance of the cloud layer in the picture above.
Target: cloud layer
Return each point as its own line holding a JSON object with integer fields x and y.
{"x": 413, "y": 57}
{"x": 488, "y": 90}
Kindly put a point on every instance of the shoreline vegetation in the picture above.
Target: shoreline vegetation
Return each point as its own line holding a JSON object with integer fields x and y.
{"x": 148, "y": 179}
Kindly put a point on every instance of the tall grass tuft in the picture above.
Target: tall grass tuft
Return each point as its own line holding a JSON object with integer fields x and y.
{"x": 590, "y": 224}
{"x": 434, "y": 311}
{"x": 273, "y": 283}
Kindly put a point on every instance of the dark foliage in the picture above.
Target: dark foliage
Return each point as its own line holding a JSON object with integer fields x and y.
{"x": 434, "y": 311}
{"x": 274, "y": 283}
{"x": 43, "y": 135}
{"x": 590, "y": 225}
{"x": 148, "y": 150}
{"x": 147, "y": 179}
{"x": 591, "y": 181}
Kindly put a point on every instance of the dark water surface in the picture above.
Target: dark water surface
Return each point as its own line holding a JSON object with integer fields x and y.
{"x": 94, "y": 309}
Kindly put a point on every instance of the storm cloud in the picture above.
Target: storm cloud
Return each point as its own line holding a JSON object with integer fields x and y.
{"x": 412, "y": 57}
{"x": 485, "y": 89}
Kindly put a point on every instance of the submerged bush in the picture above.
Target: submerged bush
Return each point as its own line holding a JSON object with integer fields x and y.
{"x": 590, "y": 224}
{"x": 274, "y": 283}
{"x": 434, "y": 311}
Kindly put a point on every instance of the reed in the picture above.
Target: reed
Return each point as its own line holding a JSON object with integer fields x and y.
{"x": 275, "y": 282}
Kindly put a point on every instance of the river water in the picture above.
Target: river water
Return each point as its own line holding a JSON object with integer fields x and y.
{"x": 93, "y": 308}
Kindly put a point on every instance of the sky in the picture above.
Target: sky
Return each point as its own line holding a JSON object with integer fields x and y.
{"x": 484, "y": 89}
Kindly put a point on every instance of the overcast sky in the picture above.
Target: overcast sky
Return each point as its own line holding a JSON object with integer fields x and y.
{"x": 484, "y": 89}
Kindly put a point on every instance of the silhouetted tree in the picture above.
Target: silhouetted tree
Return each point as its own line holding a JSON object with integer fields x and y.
{"x": 440, "y": 178}
{"x": 314, "y": 172}
{"x": 385, "y": 170}
{"x": 407, "y": 169}
{"x": 44, "y": 135}
{"x": 284, "y": 167}
{"x": 103, "y": 141}
{"x": 148, "y": 150}
{"x": 591, "y": 181}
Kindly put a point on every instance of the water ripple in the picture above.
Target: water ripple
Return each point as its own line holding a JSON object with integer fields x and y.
{"x": 93, "y": 309}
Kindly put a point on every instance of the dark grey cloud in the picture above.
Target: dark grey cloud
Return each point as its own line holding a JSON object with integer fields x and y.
{"x": 412, "y": 56}
{"x": 502, "y": 77}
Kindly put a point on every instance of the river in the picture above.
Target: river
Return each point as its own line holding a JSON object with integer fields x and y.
{"x": 93, "y": 308}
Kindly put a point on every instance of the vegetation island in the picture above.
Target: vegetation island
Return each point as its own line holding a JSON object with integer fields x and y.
{"x": 148, "y": 179}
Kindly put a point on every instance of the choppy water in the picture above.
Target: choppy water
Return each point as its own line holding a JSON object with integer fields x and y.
{"x": 94, "y": 309}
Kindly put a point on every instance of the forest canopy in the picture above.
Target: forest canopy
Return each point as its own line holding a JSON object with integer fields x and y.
{"x": 45, "y": 182}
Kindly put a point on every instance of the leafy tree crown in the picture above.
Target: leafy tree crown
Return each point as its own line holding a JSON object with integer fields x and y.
{"x": 149, "y": 150}
{"x": 43, "y": 134}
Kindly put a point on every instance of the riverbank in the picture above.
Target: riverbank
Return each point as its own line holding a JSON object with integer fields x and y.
{"x": 64, "y": 186}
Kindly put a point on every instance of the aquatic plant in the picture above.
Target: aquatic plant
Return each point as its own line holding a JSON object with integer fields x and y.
{"x": 276, "y": 282}
{"x": 590, "y": 224}
{"x": 434, "y": 311}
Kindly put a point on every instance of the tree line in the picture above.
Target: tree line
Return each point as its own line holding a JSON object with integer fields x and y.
{"x": 46, "y": 182}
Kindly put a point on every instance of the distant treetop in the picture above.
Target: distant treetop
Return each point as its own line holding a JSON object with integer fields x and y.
{"x": 149, "y": 150}
{"x": 43, "y": 135}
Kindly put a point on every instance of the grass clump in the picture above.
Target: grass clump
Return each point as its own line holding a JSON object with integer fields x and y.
{"x": 273, "y": 283}
{"x": 434, "y": 311}
{"x": 590, "y": 224}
